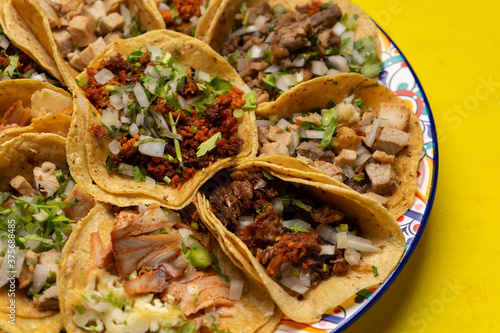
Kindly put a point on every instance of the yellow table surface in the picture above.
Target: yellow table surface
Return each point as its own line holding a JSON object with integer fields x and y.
{"x": 451, "y": 282}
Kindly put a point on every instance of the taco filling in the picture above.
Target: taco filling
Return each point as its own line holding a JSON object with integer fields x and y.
{"x": 82, "y": 29}
{"x": 15, "y": 64}
{"x": 157, "y": 275}
{"x": 348, "y": 141}
{"x": 41, "y": 216}
{"x": 182, "y": 15}
{"x": 299, "y": 242}
{"x": 274, "y": 49}
{"x": 165, "y": 123}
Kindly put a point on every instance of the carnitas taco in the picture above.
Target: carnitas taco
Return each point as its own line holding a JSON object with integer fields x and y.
{"x": 147, "y": 269}
{"x": 275, "y": 45}
{"x": 312, "y": 245}
{"x": 75, "y": 31}
{"x": 190, "y": 17}
{"x": 32, "y": 106}
{"x": 356, "y": 131}
{"x": 40, "y": 204}
{"x": 166, "y": 114}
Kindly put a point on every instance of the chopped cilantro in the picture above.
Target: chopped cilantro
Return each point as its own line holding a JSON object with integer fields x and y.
{"x": 135, "y": 56}
{"x": 296, "y": 228}
{"x": 232, "y": 58}
{"x": 80, "y": 309}
{"x": 327, "y": 137}
{"x": 208, "y": 145}
{"x": 115, "y": 301}
{"x": 13, "y": 63}
{"x": 372, "y": 66}
{"x": 139, "y": 173}
{"x": 375, "y": 271}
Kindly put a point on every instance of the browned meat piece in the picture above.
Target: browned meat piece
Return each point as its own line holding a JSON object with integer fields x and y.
{"x": 263, "y": 230}
{"x": 48, "y": 300}
{"x": 347, "y": 138}
{"x": 75, "y": 60}
{"x": 329, "y": 16}
{"x": 69, "y": 8}
{"x": 226, "y": 206}
{"x": 300, "y": 119}
{"x": 330, "y": 169}
{"x": 112, "y": 22}
{"x": 367, "y": 119}
{"x": 243, "y": 191}
{"x": 92, "y": 50}
{"x": 17, "y": 114}
{"x": 82, "y": 30}
{"x": 258, "y": 65}
{"x": 391, "y": 140}
{"x": 290, "y": 35}
{"x": 46, "y": 180}
{"x": 381, "y": 177}
{"x": 251, "y": 41}
{"x": 279, "y": 135}
{"x": 382, "y": 157}
{"x": 22, "y": 186}
{"x": 129, "y": 223}
{"x": 113, "y": 5}
{"x": 230, "y": 45}
{"x": 382, "y": 200}
{"x": 311, "y": 150}
{"x": 95, "y": 10}
{"x": 63, "y": 40}
{"x": 49, "y": 258}
{"x": 327, "y": 214}
{"x": 99, "y": 257}
{"x": 346, "y": 157}
{"x": 50, "y": 13}
{"x": 275, "y": 148}
{"x": 109, "y": 38}
{"x": 397, "y": 119}
{"x": 82, "y": 206}
{"x": 148, "y": 281}
{"x": 211, "y": 291}
{"x": 348, "y": 115}
{"x": 262, "y": 132}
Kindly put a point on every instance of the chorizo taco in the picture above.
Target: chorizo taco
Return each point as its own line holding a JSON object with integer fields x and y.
{"x": 275, "y": 45}
{"x": 356, "y": 131}
{"x": 164, "y": 113}
{"x": 32, "y": 106}
{"x": 312, "y": 245}
{"x": 40, "y": 203}
{"x": 75, "y": 31}
{"x": 147, "y": 269}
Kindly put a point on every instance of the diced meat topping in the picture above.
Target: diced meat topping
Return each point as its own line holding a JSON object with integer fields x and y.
{"x": 347, "y": 138}
{"x": 274, "y": 148}
{"x": 346, "y": 157}
{"x": 110, "y": 23}
{"x": 382, "y": 157}
{"x": 397, "y": 118}
{"x": 64, "y": 42}
{"x": 51, "y": 258}
{"x": 84, "y": 203}
{"x": 82, "y": 30}
{"x": 262, "y": 133}
{"x": 381, "y": 178}
{"x": 16, "y": 114}
{"x": 279, "y": 135}
{"x": 48, "y": 300}
{"x": 22, "y": 186}
{"x": 46, "y": 180}
{"x": 391, "y": 140}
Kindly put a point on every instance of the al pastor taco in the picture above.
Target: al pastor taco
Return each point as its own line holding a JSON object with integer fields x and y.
{"x": 275, "y": 45}
{"x": 147, "y": 269}
{"x": 166, "y": 113}
{"x": 312, "y": 245}
{"x": 32, "y": 106}
{"x": 356, "y": 131}
{"x": 75, "y": 31}
{"x": 40, "y": 203}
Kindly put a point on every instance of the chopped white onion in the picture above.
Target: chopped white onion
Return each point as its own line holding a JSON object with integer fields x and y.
{"x": 140, "y": 94}
{"x": 318, "y": 68}
{"x": 109, "y": 120}
{"x": 327, "y": 249}
{"x": 283, "y": 124}
{"x": 372, "y": 135}
{"x": 4, "y": 42}
{"x": 142, "y": 208}
{"x": 299, "y": 76}
{"x": 332, "y": 71}
{"x": 293, "y": 282}
{"x": 339, "y": 62}
{"x": 357, "y": 57}
{"x": 352, "y": 257}
{"x": 242, "y": 87}
{"x": 163, "y": 6}
{"x": 155, "y": 149}
{"x": 103, "y": 76}
{"x": 125, "y": 99}
{"x": 348, "y": 99}
{"x": 114, "y": 147}
{"x": 69, "y": 187}
{"x": 348, "y": 34}
{"x": 125, "y": 12}
{"x": 116, "y": 101}
{"x": 173, "y": 217}
{"x": 151, "y": 70}
{"x": 133, "y": 129}
{"x": 20, "y": 255}
{"x": 360, "y": 159}
{"x": 312, "y": 134}
{"x": 348, "y": 170}
{"x": 280, "y": 83}
{"x": 327, "y": 233}
{"x": 39, "y": 77}
{"x": 342, "y": 240}
{"x": 192, "y": 288}
{"x": 299, "y": 61}
{"x": 203, "y": 76}
{"x": 361, "y": 244}
{"x": 4, "y": 272}
{"x": 273, "y": 69}
{"x": 150, "y": 181}
{"x": 126, "y": 169}
{"x": 294, "y": 142}
{"x": 256, "y": 51}
{"x": 203, "y": 9}
{"x": 39, "y": 277}
{"x": 338, "y": 29}
{"x": 265, "y": 123}
{"x": 125, "y": 120}
{"x": 289, "y": 79}
{"x": 244, "y": 221}
{"x": 80, "y": 99}
{"x": 235, "y": 289}
{"x": 277, "y": 205}
{"x": 139, "y": 119}
{"x": 194, "y": 20}
{"x": 297, "y": 223}
{"x": 182, "y": 102}
{"x": 305, "y": 278}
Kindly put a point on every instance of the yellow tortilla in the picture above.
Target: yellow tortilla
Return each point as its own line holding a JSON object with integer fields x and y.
{"x": 23, "y": 89}
{"x": 20, "y": 156}
{"x": 254, "y": 309}
{"x": 373, "y": 220}
{"x": 337, "y": 87}
{"x": 34, "y": 17}
{"x": 193, "y": 54}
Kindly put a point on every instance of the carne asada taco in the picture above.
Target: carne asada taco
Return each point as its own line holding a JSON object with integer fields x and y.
{"x": 275, "y": 45}
{"x": 40, "y": 203}
{"x": 167, "y": 113}
{"x": 190, "y": 17}
{"x": 75, "y": 31}
{"x": 33, "y": 106}
{"x": 356, "y": 131}
{"x": 22, "y": 55}
{"x": 312, "y": 245}
{"x": 147, "y": 269}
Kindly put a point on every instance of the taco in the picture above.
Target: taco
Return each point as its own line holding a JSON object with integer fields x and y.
{"x": 22, "y": 55}
{"x": 184, "y": 117}
{"x": 190, "y": 17}
{"x": 275, "y": 45}
{"x": 32, "y": 106}
{"x": 75, "y": 31}
{"x": 356, "y": 131}
{"x": 312, "y": 245}
{"x": 40, "y": 203}
{"x": 146, "y": 269}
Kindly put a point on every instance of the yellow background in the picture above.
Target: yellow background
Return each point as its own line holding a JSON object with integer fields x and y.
{"x": 452, "y": 281}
